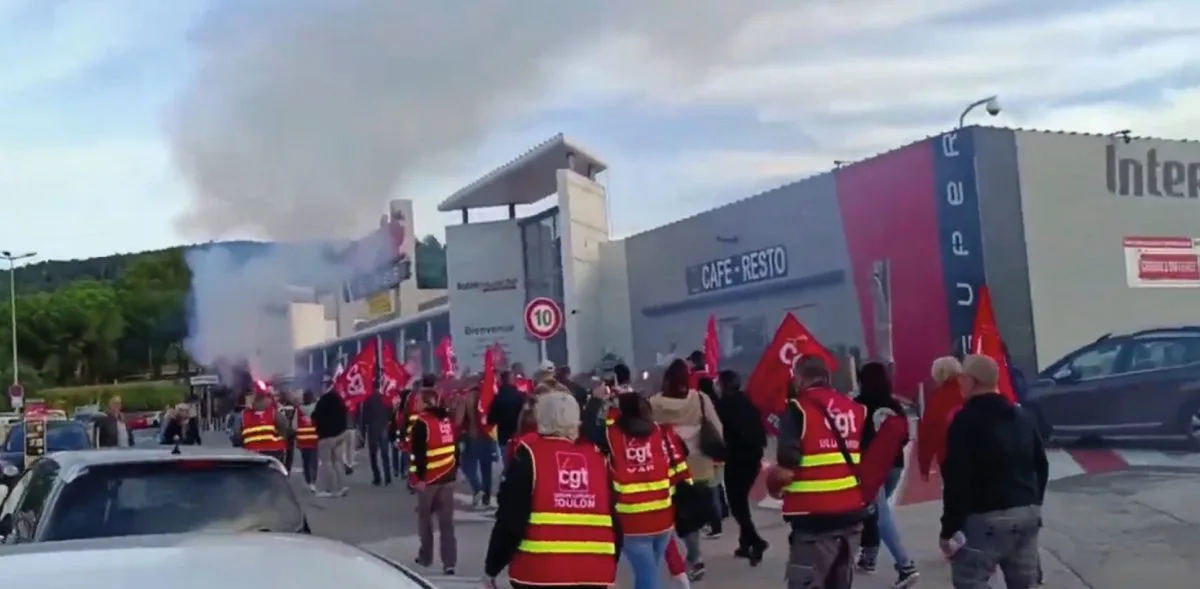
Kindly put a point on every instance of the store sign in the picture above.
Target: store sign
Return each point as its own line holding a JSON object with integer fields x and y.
{"x": 752, "y": 267}
{"x": 380, "y": 280}
{"x": 960, "y": 231}
{"x": 1150, "y": 174}
{"x": 1162, "y": 262}
{"x": 488, "y": 285}
{"x": 488, "y": 330}
{"x": 380, "y": 304}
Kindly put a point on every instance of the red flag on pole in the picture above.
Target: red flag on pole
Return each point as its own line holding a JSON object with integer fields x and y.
{"x": 353, "y": 382}
{"x": 985, "y": 341}
{"x": 394, "y": 376}
{"x": 768, "y": 383}
{"x": 446, "y": 358}
{"x": 712, "y": 346}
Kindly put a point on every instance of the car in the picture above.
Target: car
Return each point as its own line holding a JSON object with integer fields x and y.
{"x": 114, "y": 492}
{"x": 61, "y": 435}
{"x": 193, "y": 561}
{"x": 1143, "y": 385}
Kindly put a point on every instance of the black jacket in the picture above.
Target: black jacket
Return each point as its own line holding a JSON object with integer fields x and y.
{"x": 505, "y": 410}
{"x": 745, "y": 434}
{"x": 374, "y": 415}
{"x": 188, "y": 434}
{"x": 995, "y": 460}
{"x": 591, "y": 421}
{"x": 874, "y": 403}
{"x": 330, "y": 416}
{"x": 105, "y": 431}
{"x": 513, "y": 506}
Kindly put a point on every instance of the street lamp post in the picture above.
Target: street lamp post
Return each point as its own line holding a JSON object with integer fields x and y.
{"x": 992, "y": 104}
{"x": 12, "y": 305}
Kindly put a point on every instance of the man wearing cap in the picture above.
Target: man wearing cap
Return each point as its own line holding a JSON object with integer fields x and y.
{"x": 993, "y": 482}
{"x": 819, "y": 440}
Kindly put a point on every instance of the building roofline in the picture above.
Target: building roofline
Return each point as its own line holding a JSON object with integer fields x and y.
{"x": 530, "y": 172}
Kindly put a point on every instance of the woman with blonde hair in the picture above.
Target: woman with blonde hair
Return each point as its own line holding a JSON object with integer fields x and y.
{"x": 937, "y": 413}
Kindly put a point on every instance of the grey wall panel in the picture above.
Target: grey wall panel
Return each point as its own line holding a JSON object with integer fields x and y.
{"x": 999, "y": 181}
{"x": 1077, "y": 210}
{"x": 669, "y": 307}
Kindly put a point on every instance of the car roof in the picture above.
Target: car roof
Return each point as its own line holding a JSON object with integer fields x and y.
{"x": 195, "y": 561}
{"x": 104, "y": 456}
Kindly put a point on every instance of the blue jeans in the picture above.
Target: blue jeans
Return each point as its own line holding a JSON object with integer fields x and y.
{"x": 889, "y": 534}
{"x": 645, "y": 554}
{"x": 477, "y": 457}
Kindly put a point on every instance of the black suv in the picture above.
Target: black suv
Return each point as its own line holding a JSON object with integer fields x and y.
{"x": 1137, "y": 386}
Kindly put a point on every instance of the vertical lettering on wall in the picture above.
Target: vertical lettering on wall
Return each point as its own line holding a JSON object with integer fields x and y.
{"x": 960, "y": 235}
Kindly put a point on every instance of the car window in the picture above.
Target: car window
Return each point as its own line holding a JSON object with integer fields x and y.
{"x": 1158, "y": 354}
{"x": 14, "y": 494}
{"x": 176, "y": 497}
{"x": 1096, "y": 362}
{"x": 30, "y": 509}
{"x": 61, "y": 435}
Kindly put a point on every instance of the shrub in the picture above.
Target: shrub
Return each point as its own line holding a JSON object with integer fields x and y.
{"x": 135, "y": 396}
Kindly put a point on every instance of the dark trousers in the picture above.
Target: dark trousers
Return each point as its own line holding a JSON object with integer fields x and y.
{"x": 308, "y": 462}
{"x": 396, "y": 463}
{"x": 740, "y": 476}
{"x": 377, "y": 451}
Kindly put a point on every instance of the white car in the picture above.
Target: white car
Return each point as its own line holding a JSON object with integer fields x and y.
{"x": 204, "y": 561}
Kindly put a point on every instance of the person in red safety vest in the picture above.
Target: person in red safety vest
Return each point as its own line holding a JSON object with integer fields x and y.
{"x": 556, "y": 519}
{"x": 306, "y": 442}
{"x": 819, "y": 442}
{"x": 432, "y": 470}
{"x": 644, "y": 466}
{"x": 262, "y": 428}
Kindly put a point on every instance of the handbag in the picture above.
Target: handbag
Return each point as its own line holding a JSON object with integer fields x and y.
{"x": 841, "y": 444}
{"x": 712, "y": 444}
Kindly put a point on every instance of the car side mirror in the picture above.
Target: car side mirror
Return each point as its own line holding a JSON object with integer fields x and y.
{"x": 6, "y": 525}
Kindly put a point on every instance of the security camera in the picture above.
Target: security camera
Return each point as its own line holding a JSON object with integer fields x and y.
{"x": 993, "y": 107}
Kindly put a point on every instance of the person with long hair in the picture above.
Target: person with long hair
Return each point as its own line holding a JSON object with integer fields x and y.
{"x": 745, "y": 442}
{"x": 875, "y": 393}
{"x": 686, "y": 411}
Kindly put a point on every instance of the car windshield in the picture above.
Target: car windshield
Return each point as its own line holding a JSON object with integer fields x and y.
{"x": 61, "y": 435}
{"x": 175, "y": 497}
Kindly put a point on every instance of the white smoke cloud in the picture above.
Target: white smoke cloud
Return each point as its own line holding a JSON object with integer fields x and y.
{"x": 300, "y": 123}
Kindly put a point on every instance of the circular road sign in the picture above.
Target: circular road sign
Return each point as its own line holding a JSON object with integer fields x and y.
{"x": 543, "y": 318}
{"x": 16, "y": 390}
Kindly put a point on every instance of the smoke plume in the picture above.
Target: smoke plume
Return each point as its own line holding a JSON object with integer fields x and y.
{"x": 304, "y": 116}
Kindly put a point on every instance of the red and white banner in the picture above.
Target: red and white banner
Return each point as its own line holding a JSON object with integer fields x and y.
{"x": 1162, "y": 262}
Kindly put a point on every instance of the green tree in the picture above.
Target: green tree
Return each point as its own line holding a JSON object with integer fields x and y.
{"x": 431, "y": 263}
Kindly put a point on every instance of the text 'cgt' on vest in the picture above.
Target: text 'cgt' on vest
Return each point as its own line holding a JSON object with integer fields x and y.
{"x": 642, "y": 479}
{"x": 570, "y": 538}
{"x": 823, "y": 483}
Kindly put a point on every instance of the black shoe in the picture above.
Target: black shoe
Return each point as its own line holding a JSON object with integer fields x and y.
{"x": 387, "y": 482}
{"x": 712, "y": 534}
{"x": 376, "y": 482}
{"x": 866, "y": 563}
{"x": 423, "y": 563}
{"x": 487, "y": 499}
{"x": 742, "y": 552}
{"x": 447, "y": 570}
{"x": 756, "y": 553}
{"x": 696, "y": 572}
{"x": 906, "y": 575}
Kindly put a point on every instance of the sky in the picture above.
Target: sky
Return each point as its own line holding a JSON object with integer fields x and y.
{"x": 128, "y": 125}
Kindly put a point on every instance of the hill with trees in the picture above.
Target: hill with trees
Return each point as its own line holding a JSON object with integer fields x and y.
{"x": 121, "y": 317}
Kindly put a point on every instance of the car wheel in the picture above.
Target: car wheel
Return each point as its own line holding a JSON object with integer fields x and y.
{"x": 1191, "y": 424}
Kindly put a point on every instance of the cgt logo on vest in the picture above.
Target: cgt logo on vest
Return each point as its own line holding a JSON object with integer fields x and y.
{"x": 574, "y": 490}
{"x": 847, "y": 426}
{"x": 638, "y": 457}
{"x": 1150, "y": 175}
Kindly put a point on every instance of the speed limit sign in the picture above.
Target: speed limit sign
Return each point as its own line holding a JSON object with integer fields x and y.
{"x": 543, "y": 318}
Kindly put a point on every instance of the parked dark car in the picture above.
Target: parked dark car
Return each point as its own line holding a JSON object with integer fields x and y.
{"x": 61, "y": 435}
{"x": 116, "y": 492}
{"x": 1137, "y": 386}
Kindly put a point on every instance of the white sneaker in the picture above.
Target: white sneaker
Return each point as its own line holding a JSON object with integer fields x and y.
{"x": 323, "y": 494}
{"x": 343, "y": 492}
{"x": 312, "y": 488}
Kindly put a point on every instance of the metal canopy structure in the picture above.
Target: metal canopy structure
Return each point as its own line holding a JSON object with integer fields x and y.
{"x": 527, "y": 179}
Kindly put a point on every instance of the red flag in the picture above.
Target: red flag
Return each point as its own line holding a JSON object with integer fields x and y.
{"x": 767, "y": 386}
{"x": 985, "y": 341}
{"x": 394, "y": 377}
{"x": 712, "y": 347}
{"x": 446, "y": 358}
{"x": 487, "y": 383}
{"x": 353, "y": 382}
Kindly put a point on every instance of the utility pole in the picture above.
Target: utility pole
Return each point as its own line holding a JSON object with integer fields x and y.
{"x": 12, "y": 305}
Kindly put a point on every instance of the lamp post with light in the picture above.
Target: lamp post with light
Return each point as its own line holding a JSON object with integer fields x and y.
{"x": 991, "y": 104}
{"x": 12, "y": 305}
